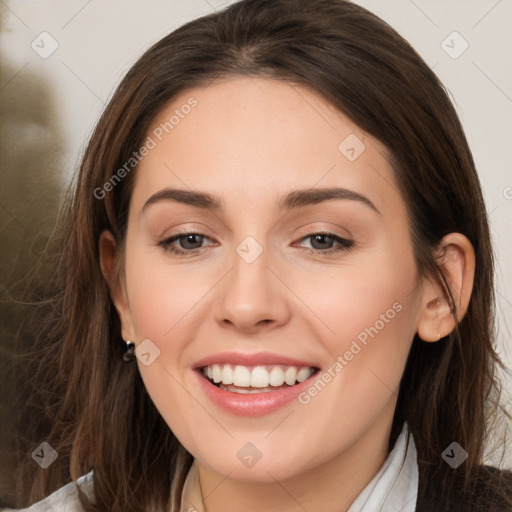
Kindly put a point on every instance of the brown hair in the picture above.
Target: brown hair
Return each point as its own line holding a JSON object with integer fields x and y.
{"x": 97, "y": 412}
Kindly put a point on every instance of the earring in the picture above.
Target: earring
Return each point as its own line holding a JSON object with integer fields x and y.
{"x": 129, "y": 354}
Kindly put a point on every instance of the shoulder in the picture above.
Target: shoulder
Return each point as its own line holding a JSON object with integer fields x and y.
{"x": 64, "y": 499}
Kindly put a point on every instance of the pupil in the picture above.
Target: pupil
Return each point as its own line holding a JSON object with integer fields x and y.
{"x": 319, "y": 238}
{"x": 190, "y": 238}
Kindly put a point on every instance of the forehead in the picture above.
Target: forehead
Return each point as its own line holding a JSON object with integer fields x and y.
{"x": 258, "y": 136}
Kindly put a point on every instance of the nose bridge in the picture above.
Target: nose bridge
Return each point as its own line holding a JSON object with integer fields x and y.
{"x": 251, "y": 295}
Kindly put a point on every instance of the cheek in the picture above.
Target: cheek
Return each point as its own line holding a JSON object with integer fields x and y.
{"x": 370, "y": 300}
{"x": 366, "y": 320}
{"x": 163, "y": 298}
{"x": 166, "y": 305}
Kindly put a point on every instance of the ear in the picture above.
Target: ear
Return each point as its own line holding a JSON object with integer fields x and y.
{"x": 108, "y": 254}
{"x": 457, "y": 262}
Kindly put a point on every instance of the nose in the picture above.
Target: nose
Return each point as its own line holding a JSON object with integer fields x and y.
{"x": 252, "y": 298}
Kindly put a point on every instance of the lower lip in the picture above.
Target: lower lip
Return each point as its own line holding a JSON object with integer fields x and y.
{"x": 254, "y": 404}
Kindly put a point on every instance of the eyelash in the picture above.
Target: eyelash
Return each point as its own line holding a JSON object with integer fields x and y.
{"x": 344, "y": 244}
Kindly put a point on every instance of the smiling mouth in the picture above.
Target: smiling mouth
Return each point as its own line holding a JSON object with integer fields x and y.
{"x": 255, "y": 379}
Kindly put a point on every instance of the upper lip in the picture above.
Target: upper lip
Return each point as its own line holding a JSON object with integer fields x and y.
{"x": 255, "y": 359}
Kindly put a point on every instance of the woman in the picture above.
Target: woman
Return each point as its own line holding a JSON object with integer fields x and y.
{"x": 279, "y": 220}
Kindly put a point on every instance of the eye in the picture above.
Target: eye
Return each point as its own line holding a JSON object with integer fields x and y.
{"x": 190, "y": 243}
{"x": 322, "y": 243}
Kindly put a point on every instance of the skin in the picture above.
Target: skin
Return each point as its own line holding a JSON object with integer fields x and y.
{"x": 250, "y": 141}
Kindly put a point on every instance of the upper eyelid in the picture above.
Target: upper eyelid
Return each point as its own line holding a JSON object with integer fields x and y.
{"x": 304, "y": 229}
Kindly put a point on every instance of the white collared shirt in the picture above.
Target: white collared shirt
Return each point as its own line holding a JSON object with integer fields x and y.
{"x": 395, "y": 487}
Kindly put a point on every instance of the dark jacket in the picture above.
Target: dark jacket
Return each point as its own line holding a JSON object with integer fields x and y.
{"x": 490, "y": 491}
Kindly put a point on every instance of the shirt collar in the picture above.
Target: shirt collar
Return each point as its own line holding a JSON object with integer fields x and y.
{"x": 393, "y": 489}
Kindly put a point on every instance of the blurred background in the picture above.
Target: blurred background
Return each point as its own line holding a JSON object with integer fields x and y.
{"x": 61, "y": 60}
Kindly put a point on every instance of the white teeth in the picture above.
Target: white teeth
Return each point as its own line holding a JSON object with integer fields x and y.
{"x": 216, "y": 373}
{"x": 227, "y": 374}
{"x": 242, "y": 376}
{"x": 303, "y": 374}
{"x": 290, "y": 375}
{"x": 257, "y": 376}
{"x": 276, "y": 377}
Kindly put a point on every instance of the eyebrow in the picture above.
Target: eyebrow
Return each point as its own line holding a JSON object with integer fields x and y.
{"x": 292, "y": 200}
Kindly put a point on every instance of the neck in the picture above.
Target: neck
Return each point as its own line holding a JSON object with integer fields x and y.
{"x": 329, "y": 487}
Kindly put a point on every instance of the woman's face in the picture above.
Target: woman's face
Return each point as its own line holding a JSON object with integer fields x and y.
{"x": 254, "y": 291}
